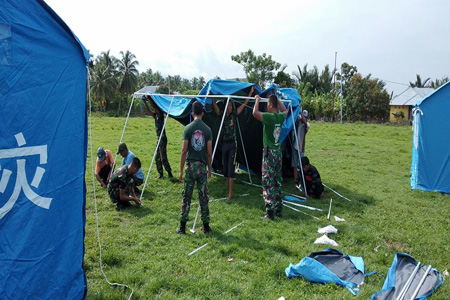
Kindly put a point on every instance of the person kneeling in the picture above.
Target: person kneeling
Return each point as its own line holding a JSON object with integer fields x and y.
{"x": 122, "y": 185}
{"x": 313, "y": 183}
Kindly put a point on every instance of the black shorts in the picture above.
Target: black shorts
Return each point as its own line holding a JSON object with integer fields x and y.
{"x": 228, "y": 153}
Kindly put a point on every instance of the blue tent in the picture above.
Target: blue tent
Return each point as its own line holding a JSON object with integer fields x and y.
{"x": 430, "y": 167}
{"x": 181, "y": 108}
{"x": 42, "y": 154}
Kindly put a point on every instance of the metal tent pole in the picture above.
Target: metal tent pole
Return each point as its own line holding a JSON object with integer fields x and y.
{"x": 220, "y": 129}
{"x": 243, "y": 147}
{"x": 123, "y": 132}
{"x": 298, "y": 151}
{"x": 421, "y": 283}
{"x": 157, "y": 148}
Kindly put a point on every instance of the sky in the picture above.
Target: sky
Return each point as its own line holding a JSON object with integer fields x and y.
{"x": 391, "y": 40}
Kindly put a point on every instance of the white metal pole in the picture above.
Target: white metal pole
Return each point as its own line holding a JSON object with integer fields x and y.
{"x": 243, "y": 147}
{"x": 123, "y": 132}
{"x": 408, "y": 283}
{"x": 421, "y": 283}
{"x": 220, "y": 129}
{"x": 156, "y": 150}
{"x": 342, "y": 95}
{"x": 298, "y": 152}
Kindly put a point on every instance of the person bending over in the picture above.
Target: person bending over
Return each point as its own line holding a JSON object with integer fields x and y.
{"x": 313, "y": 183}
{"x": 128, "y": 157}
{"x": 121, "y": 186}
{"x": 103, "y": 167}
{"x": 271, "y": 164}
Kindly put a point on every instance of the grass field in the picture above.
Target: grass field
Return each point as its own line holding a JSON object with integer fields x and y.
{"x": 365, "y": 162}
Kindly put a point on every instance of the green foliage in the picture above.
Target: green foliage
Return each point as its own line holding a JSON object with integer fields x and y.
{"x": 367, "y": 99}
{"x": 419, "y": 83}
{"x": 438, "y": 82}
{"x": 367, "y": 163}
{"x": 258, "y": 69}
{"x": 283, "y": 79}
{"x": 345, "y": 75}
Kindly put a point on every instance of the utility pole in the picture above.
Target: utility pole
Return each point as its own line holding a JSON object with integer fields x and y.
{"x": 342, "y": 95}
{"x": 334, "y": 86}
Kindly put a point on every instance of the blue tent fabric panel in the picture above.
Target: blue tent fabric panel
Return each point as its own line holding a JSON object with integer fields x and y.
{"x": 180, "y": 106}
{"x": 43, "y": 144}
{"x": 348, "y": 272}
{"x": 402, "y": 266}
{"x": 430, "y": 165}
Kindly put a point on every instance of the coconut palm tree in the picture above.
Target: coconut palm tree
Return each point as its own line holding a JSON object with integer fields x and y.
{"x": 128, "y": 74}
{"x": 419, "y": 83}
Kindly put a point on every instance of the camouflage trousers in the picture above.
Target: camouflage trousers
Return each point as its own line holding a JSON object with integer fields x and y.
{"x": 114, "y": 193}
{"x": 195, "y": 172}
{"x": 161, "y": 157}
{"x": 272, "y": 180}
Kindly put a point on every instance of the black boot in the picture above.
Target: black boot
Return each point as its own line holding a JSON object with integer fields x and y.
{"x": 169, "y": 174}
{"x": 161, "y": 176}
{"x": 182, "y": 228}
{"x": 206, "y": 228}
{"x": 278, "y": 214}
{"x": 268, "y": 215}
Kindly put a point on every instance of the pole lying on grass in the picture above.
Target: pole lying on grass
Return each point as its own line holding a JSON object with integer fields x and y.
{"x": 198, "y": 249}
{"x": 203, "y": 246}
{"x": 300, "y": 211}
{"x": 408, "y": 283}
{"x": 301, "y": 205}
{"x": 336, "y": 192}
{"x": 421, "y": 283}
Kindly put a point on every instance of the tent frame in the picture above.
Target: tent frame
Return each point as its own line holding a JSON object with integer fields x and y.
{"x": 228, "y": 98}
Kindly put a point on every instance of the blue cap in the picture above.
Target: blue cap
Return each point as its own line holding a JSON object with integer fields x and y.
{"x": 101, "y": 154}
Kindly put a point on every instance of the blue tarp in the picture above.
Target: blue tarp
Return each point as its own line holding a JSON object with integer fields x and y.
{"x": 401, "y": 269}
{"x": 181, "y": 108}
{"x": 42, "y": 154}
{"x": 430, "y": 166}
{"x": 330, "y": 265}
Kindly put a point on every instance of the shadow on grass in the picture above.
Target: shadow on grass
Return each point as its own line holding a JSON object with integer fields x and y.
{"x": 357, "y": 204}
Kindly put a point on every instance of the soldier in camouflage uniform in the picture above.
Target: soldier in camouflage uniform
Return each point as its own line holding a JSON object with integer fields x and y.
{"x": 161, "y": 154}
{"x": 197, "y": 153}
{"x": 121, "y": 185}
{"x": 229, "y": 139}
{"x": 271, "y": 166}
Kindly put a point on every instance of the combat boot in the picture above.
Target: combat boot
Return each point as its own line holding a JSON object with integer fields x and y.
{"x": 206, "y": 228}
{"x": 268, "y": 215}
{"x": 169, "y": 174}
{"x": 182, "y": 228}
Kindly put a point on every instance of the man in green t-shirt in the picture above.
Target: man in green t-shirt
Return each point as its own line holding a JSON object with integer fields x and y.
{"x": 271, "y": 167}
{"x": 197, "y": 153}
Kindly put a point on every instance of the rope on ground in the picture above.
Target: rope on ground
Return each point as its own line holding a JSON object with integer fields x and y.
{"x": 95, "y": 201}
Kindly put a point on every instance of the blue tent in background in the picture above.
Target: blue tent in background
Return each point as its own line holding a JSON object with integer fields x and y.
{"x": 250, "y": 128}
{"x": 42, "y": 154}
{"x": 430, "y": 167}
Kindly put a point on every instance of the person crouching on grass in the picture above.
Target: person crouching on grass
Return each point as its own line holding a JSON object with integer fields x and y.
{"x": 121, "y": 185}
{"x": 271, "y": 165}
{"x": 197, "y": 151}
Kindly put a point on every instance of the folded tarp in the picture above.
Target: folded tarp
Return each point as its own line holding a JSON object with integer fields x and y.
{"x": 331, "y": 265}
{"x": 401, "y": 269}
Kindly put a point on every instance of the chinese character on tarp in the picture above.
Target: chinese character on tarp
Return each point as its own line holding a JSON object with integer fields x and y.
{"x": 21, "y": 183}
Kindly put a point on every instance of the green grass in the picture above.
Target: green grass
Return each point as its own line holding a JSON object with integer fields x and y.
{"x": 366, "y": 163}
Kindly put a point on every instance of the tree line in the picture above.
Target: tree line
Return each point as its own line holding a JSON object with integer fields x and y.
{"x": 364, "y": 98}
